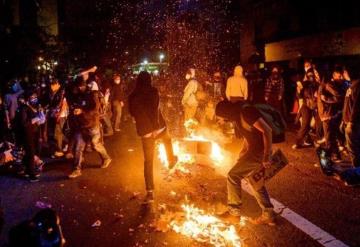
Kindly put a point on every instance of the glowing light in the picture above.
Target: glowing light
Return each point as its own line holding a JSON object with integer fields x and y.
{"x": 161, "y": 57}
{"x": 206, "y": 228}
{"x": 145, "y": 61}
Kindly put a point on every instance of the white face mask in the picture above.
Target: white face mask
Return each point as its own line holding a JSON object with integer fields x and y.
{"x": 187, "y": 76}
{"x": 117, "y": 81}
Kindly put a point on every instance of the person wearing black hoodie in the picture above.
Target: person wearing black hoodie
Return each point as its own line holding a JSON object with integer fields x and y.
{"x": 150, "y": 126}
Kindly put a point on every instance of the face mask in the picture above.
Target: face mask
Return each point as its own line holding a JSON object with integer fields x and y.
{"x": 33, "y": 101}
{"x": 275, "y": 75}
{"x": 117, "y": 81}
{"x": 311, "y": 78}
{"x": 187, "y": 76}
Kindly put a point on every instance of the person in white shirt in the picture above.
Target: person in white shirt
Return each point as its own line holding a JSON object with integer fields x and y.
{"x": 189, "y": 100}
{"x": 237, "y": 86}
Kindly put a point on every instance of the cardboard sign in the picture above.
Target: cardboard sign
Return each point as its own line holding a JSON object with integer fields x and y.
{"x": 258, "y": 177}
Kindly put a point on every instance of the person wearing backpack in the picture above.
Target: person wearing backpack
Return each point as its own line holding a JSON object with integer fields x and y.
{"x": 251, "y": 125}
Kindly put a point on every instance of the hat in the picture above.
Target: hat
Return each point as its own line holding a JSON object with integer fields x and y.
{"x": 228, "y": 110}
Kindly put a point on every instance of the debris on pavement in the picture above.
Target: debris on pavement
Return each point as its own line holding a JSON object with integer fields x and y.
{"x": 135, "y": 195}
{"x": 43, "y": 205}
{"x": 96, "y": 223}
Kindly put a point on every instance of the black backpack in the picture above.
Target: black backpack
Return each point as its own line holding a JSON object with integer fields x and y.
{"x": 272, "y": 117}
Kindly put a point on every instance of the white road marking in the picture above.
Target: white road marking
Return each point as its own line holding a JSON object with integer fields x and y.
{"x": 315, "y": 232}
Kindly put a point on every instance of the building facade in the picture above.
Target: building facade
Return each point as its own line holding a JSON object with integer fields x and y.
{"x": 293, "y": 30}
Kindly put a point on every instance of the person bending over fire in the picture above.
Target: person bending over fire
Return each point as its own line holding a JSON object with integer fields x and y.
{"x": 256, "y": 153}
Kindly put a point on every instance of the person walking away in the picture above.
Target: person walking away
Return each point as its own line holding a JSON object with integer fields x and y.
{"x": 274, "y": 90}
{"x": 237, "y": 86}
{"x": 150, "y": 126}
{"x": 117, "y": 100}
{"x": 189, "y": 100}
{"x": 86, "y": 123}
{"x": 256, "y": 152}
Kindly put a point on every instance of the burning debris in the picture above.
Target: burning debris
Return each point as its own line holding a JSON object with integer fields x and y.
{"x": 205, "y": 228}
{"x": 200, "y": 146}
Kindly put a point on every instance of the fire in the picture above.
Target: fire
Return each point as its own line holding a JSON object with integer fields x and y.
{"x": 183, "y": 158}
{"x": 206, "y": 228}
{"x": 217, "y": 154}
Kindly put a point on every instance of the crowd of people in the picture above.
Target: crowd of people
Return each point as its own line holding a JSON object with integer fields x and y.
{"x": 63, "y": 119}
{"x": 60, "y": 119}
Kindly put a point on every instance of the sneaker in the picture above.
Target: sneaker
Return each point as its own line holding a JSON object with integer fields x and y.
{"x": 108, "y": 134}
{"x": 336, "y": 158}
{"x": 65, "y": 149}
{"x": 307, "y": 144}
{"x": 234, "y": 211}
{"x": 58, "y": 154}
{"x": 264, "y": 219}
{"x": 34, "y": 178}
{"x": 231, "y": 215}
{"x": 149, "y": 198}
{"x": 76, "y": 173}
{"x": 321, "y": 141}
{"x": 295, "y": 146}
{"x": 69, "y": 156}
{"x": 117, "y": 130}
{"x": 106, "y": 163}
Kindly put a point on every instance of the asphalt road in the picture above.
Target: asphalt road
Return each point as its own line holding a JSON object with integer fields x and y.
{"x": 114, "y": 197}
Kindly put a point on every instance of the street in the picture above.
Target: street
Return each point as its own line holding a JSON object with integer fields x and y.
{"x": 114, "y": 195}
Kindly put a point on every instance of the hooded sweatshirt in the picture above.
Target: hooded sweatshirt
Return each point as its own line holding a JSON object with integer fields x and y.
{"x": 237, "y": 85}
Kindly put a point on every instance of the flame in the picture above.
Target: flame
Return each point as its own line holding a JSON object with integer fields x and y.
{"x": 183, "y": 158}
{"x": 216, "y": 153}
{"x": 162, "y": 155}
{"x": 206, "y": 228}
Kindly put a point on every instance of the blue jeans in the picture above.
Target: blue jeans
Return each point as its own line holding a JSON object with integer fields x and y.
{"x": 243, "y": 167}
{"x": 94, "y": 135}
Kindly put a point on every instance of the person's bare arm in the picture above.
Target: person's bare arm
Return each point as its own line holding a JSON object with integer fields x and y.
{"x": 266, "y": 131}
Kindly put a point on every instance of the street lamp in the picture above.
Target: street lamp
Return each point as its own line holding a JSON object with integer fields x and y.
{"x": 145, "y": 61}
{"x": 161, "y": 57}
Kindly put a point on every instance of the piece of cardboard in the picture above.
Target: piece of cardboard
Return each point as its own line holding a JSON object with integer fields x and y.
{"x": 258, "y": 177}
